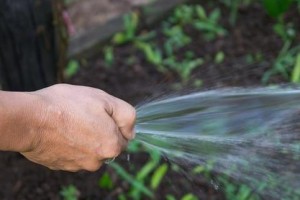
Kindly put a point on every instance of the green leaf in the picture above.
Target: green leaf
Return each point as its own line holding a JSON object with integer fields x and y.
{"x": 72, "y": 68}
{"x": 134, "y": 146}
{"x": 69, "y": 193}
{"x": 201, "y": 12}
{"x": 296, "y": 71}
{"x": 170, "y": 197}
{"x": 215, "y": 15}
{"x": 146, "y": 170}
{"x": 275, "y": 8}
{"x": 199, "y": 169}
{"x": 119, "y": 38}
{"x": 122, "y": 197}
{"x": 105, "y": 182}
{"x": 130, "y": 179}
{"x": 158, "y": 176}
{"x": 219, "y": 58}
{"x": 189, "y": 197}
{"x": 109, "y": 55}
{"x": 244, "y": 192}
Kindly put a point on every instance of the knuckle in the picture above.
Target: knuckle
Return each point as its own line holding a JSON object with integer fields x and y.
{"x": 114, "y": 151}
{"x": 71, "y": 169}
{"x": 94, "y": 166}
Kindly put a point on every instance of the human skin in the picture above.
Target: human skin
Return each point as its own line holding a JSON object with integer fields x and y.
{"x": 65, "y": 127}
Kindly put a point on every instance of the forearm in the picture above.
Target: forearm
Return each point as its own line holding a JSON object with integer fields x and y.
{"x": 18, "y": 119}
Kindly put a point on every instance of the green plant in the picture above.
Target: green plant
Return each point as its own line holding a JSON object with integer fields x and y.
{"x": 71, "y": 69}
{"x": 219, "y": 57}
{"x": 158, "y": 175}
{"x": 170, "y": 197}
{"x": 69, "y": 193}
{"x": 276, "y": 8}
{"x": 108, "y": 52}
{"x": 176, "y": 39}
{"x": 189, "y": 197}
{"x": 145, "y": 180}
{"x": 136, "y": 185}
{"x": 105, "y": 182}
{"x": 182, "y": 15}
{"x": 233, "y": 6}
{"x": 183, "y": 68}
{"x": 286, "y": 32}
{"x": 143, "y": 174}
{"x": 296, "y": 71}
{"x": 131, "y": 22}
{"x": 152, "y": 53}
{"x": 209, "y": 24}
{"x": 283, "y": 64}
{"x": 236, "y": 192}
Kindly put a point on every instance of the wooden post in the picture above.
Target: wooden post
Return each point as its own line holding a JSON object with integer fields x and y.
{"x": 32, "y": 53}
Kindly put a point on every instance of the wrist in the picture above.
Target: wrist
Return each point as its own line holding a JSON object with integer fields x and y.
{"x": 20, "y": 120}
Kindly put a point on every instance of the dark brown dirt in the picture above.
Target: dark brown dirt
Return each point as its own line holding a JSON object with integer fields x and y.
{"x": 137, "y": 82}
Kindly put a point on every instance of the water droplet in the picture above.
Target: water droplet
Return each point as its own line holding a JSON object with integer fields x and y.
{"x": 128, "y": 157}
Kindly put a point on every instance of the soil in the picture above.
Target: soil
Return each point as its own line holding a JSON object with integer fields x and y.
{"x": 139, "y": 81}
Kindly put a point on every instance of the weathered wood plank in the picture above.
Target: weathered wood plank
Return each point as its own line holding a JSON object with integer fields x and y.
{"x": 88, "y": 43}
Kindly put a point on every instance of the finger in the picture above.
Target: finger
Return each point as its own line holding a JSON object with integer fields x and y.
{"x": 113, "y": 142}
{"x": 125, "y": 116}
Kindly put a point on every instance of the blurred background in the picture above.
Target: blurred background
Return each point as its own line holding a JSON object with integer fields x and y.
{"x": 139, "y": 50}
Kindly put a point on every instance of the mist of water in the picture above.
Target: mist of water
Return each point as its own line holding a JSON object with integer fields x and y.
{"x": 250, "y": 135}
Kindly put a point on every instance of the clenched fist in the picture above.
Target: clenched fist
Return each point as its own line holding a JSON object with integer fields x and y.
{"x": 69, "y": 127}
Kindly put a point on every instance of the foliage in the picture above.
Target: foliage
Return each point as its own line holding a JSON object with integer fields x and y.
{"x": 69, "y": 193}
{"x": 131, "y": 22}
{"x": 176, "y": 39}
{"x": 219, "y": 57}
{"x": 276, "y": 8}
{"x": 233, "y": 6}
{"x": 189, "y": 197}
{"x": 108, "y": 55}
{"x": 136, "y": 185}
{"x": 208, "y": 24}
{"x": 105, "y": 182}
{"x": 152, "y": 54}
{"x": 158, "y": 176}
{"x": 183, "y": 68}
{"x": 235, "y": 192}
{"x": 146, "y": 180}
{"x": 71, "y": 69}
{"x": 296, "y": 71}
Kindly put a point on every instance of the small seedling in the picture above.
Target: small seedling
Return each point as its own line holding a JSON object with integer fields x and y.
{"x": 131, "y": 22}
{"x": 176, "y": 39}
{"x": 158, "y": 175}
{"x": 108, "y": 56}
{"x": 153, "y": 54}
{"x": 183, "y": 68}
{"x": 69, "y": 193}
{"x": 189, "y": 197}
{"x": 72, "y": 68}
{"x": 296, "y": 71}
{"x": 105, "y": 182}
{"x": 209, "y": 24}
{"x": 219, "y": 57}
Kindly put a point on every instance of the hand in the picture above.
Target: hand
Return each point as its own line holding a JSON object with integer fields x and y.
{"x": 79, "y": 128}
